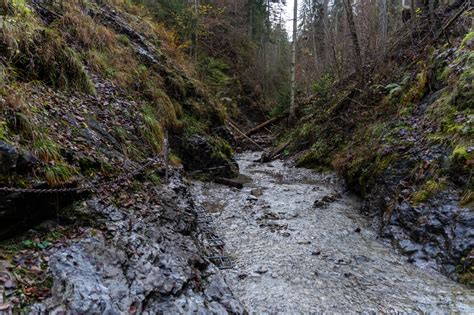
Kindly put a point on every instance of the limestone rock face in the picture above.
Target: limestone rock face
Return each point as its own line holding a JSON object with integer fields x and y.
{"x": 147, "y": 259}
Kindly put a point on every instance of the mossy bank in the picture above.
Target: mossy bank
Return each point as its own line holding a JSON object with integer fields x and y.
{"x": 405, "y": 144}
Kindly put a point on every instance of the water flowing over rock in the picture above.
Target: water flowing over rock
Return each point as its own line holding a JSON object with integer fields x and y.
{"x": 292, "y": 257}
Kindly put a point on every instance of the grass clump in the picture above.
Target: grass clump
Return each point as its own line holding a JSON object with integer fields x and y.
{"x": 82, "y": 29}
{"x": 175, "y": 160}
{"x": 152, "y": 130}
{"x": 46, "y": 150}
{"x": 59, "y": 173}
{"x": 467, "y": 40}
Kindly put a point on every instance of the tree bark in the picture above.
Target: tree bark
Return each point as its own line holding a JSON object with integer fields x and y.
{"x": 327, "y": 43}
{"x": 263, "y": 125}
{"x": 432, "y": 15}
{"x": 355, "y": 39}
{"x": 383, "y": 20}
{"x": 4, "y": 4}
{"x": 291, "y": 118}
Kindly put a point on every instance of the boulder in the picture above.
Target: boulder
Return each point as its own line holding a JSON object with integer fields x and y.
{"x": 199, "y": 153}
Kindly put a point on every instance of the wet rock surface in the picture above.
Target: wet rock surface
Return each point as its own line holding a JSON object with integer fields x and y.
{"x": 441, "y": 226}
{"x": 292, "y": 257}
{"x": 145, "y": 259}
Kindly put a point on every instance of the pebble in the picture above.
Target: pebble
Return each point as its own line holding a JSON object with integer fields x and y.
{"x": 304, "y": 242}
{"x": 257, "y": 192}
{"x": 252, "y": 198}
{"x": 261, "y": 270}
{"x": 242, "y": 276}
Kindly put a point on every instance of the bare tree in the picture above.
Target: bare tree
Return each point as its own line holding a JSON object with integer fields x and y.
{"x": 4, "y": 4}
{"x": 293, "y": 65}
{"x": 355, "y": 39}
{"x": 413, "y": 9}
{"x": 383, "y": 20}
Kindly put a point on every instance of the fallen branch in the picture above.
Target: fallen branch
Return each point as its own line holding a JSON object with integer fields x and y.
{"x": 340, "y": 103}
{"x": 228, "y": 182}
{"x": 453, "y": 19}
{"x": 244, "y": 135}
{"x": 264, "y": 124}
{"x": 268, "y": 156}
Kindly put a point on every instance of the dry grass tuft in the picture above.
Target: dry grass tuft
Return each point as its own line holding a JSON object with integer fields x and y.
{"x": 80, "y": 27}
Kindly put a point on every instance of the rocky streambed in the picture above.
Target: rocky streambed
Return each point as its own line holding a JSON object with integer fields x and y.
{"x": 301, "y": 245}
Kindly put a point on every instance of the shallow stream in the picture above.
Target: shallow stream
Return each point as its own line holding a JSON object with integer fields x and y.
{"x": 301, "y": 246}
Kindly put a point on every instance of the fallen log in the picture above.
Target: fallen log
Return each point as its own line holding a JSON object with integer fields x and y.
{"x": 244, "y": 135}
{"x": 455, "y": 17}
{"x": 264, "y": 124}
{"x": 229, "y": 182}
{"x": 268, "y": 156}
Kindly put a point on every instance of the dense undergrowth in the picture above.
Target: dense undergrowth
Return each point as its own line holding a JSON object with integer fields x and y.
{"x": 71, "y": 69}
{"x": 404, "y": 138}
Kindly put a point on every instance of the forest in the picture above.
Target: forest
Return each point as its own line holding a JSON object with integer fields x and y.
{"x": 236, "y": 156}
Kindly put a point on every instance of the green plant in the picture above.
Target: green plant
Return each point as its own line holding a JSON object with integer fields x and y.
{"x": 46, "y": 149}
{"x": 3, "y": 131}
{"x": 59, "y": 173}
{"x": 152, "y": 130}
{"x": 214, "y": 70}
{"x": 427, "y": 190}
{"x": 323, "y": 86}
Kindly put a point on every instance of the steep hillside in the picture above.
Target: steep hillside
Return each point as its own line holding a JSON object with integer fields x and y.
{"x": 88, "y": 91}
{"x": 402, "y": 137}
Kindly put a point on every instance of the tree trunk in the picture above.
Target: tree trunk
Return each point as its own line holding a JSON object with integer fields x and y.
{"x": 431, "y": 5}
{"x": 291, "y": 118}
{"x": 355, "y": 39}
{"x": 4, "y": 4}
{"x": 413, "y": 9}
{"x": 383, "y": 20}
{"x": 327, "y": 43}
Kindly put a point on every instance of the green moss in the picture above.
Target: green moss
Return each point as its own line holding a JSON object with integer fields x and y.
{"x": 221, "y": 148}
{"x": 315, "y": 158}
{"x": 3, "y": 131}
{"x": 191, "y": 125}
{"x": 364, "y": 167}
{"x": 162, "y": 104}
{"x": 418, "y": 90}
{"x": 155, "y": 179}
{"x": 428, "y": 189}
{"x": 124, "y": 40}
{"x": 20, "y": 7}
{"x": 464, "y": 91}
{"x": 461, "y": 152}
{"x": 214, "y": 71}
{"x": 469, "y": 38}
